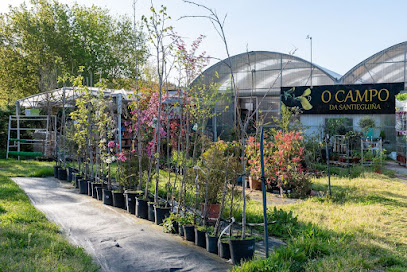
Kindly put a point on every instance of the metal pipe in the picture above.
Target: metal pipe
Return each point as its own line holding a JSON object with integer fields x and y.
{"x": 327, "y": 161}
{"x": 263, "y": 187}
{"x": 18, "y": 125}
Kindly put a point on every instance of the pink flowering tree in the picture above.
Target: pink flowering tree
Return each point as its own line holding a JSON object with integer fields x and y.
{"x": 145, "y": 121}
{"x": 121, "y": 158}
{"x": 109, "y": 157}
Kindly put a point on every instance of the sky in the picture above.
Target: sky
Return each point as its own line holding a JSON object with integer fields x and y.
{"x": 343, "y": 33}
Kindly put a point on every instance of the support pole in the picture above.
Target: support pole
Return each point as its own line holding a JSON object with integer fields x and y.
{"x": 263, "y": 187}
{"x": 119, "y": 120}
{"x": 63, "y": 127}
{"x": 46, "y": 137}
{"x": 214, "y": 124}
{"x": 18, "y": 126}
{"x": 348, "y": 155}
{"x": 361, "y": 153}
{"x": 328, "y": 164}
{"x": 8, "y": 134}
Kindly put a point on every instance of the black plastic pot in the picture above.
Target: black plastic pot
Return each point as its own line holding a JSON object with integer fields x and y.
{"x": 118, "y": 200}
{"x": 189, "y": 233}
{"x": 99, "y": 193}
{"x": 175, "y": 227}
{"x": 94, "y": 189}
{"x": 76, "y": 177}
{"x": 83, "y": 186}
{"x": 241, "y": 250}
{"x": 107, "y": 197}
{"x": 131, "y": 201}
{"x": 151, "y": 213}
{"x": 61, "y": 174}
{"x": 224, "y": 250}
{"x": 90, "y": 187}
{"x": 200, "y": 239}
{"x": 56, "y": 167}
{"x": 161, "y": 213}
{"x": 141, "y": 208}
{"x": 181, "y": 230}
{"x": 69, "y": 174}
{"x": 211, "y": 243}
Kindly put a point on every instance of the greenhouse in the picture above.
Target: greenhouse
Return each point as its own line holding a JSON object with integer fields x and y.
{"x": 42, "y": 123}
{"x": 260, "y": 77}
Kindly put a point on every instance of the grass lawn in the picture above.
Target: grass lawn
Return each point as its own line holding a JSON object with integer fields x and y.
{"x": 28, "y": 242}
{"x": 362, "y": 227}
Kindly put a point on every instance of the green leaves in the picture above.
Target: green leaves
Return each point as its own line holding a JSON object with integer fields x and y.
{"x": 49, "y": 39}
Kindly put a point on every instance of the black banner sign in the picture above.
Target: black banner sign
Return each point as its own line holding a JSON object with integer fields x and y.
{"x": 343, "y": 99}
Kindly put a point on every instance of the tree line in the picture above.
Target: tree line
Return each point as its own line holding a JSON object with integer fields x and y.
{"x": 46, "y": 39}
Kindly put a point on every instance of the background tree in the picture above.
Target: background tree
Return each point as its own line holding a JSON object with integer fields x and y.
{"x": 49, "y": 39}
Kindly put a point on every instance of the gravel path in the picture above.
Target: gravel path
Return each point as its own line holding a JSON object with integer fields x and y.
{"x": 401, "y": 171}
{"x": 117, "y": 240}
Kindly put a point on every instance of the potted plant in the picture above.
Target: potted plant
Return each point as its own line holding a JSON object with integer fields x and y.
{"x": 241, "y": 249}
{"x": 130, "y": 200}
{"x": 224, "y": 248}
{"x": 170, "y": 224}
{"x": 182, "y": 221}
{"x": 107, "y": 195}
{"x": 160, "y": 213}
{"x": 186, "y": 227}
{"x": 254, "y": 165}
{"x": 200, "y": 235}
{"x": 118, "y": 196}
{"x": 132, "y": 192}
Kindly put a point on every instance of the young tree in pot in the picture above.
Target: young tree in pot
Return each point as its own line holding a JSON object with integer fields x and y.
{"x": 82, "y": 118}
{"x": 158, "y": 32}
{"x": 104, "y": 131}
{"x": 109, "y": 158}
{"x": 118, "y": 197}
{"x": 143, "y": 112}
{"x": 223, "y": 165}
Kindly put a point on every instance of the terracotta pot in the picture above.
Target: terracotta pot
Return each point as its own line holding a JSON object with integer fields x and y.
{"x": 255, "y": 184}
{"x": 212, "y": 210}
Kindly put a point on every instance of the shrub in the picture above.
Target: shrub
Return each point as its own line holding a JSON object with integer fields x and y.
{"x": 168, "y": 223}
{"x": 221, "y": 160}
{"x": 282, "y": 161}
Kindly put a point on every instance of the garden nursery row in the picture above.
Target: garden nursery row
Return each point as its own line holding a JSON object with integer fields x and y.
{"x": 182, "y": 223}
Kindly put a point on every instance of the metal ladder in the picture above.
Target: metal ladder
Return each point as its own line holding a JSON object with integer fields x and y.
{"x": 17, "y": 141}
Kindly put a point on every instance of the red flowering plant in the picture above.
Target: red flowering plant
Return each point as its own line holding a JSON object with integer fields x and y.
{"x": 286, "y": 159}
{"x": 282, "y": 161}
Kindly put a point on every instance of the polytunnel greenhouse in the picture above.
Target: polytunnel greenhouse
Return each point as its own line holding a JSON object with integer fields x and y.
{"x": 260, "y": 75}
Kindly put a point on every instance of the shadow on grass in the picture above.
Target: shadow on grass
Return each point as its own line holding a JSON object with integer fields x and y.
{"x": 346, "y": 194}
{"x": 355, "y": 171}
{"x": 312, "y": 247}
